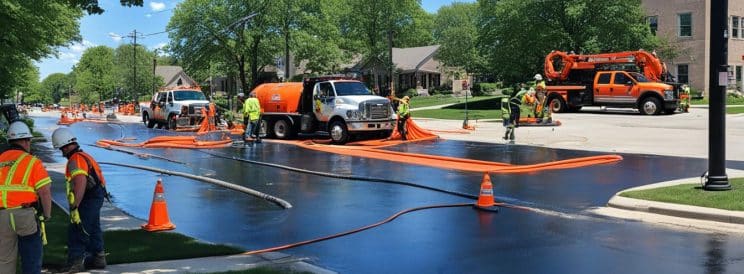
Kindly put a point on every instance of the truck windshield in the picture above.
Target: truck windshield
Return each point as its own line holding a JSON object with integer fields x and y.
{"x": 351, "y": 88}
{"x": 639, "y": 77}
{"x": 183, "y": 95}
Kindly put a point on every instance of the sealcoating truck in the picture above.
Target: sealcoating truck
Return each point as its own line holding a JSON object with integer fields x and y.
{"x": 341, "y": 107}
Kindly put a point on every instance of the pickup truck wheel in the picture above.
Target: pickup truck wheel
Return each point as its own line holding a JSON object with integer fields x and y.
{"x": 339, "y": 132}
{"x": 557, "y": 105}
{"x": 282, "y": 129}
{"x": 146, "y": 119}
{"x": 650, "y": 106}
{"x": 171, "y": 123}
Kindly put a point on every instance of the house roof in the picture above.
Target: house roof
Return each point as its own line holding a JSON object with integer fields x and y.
{"x": 171, "y": 74}
{"x": 414, "y": 59}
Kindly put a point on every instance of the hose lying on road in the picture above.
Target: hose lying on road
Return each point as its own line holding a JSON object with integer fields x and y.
{"x": 387, "y": 220}
{"x": 339, "y": 176}
{"x": 278, "y": 201}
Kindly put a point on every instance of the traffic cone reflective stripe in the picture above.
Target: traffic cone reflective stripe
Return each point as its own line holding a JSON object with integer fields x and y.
{"x": 485, "y": 198}
{"x": 158, "y": 220}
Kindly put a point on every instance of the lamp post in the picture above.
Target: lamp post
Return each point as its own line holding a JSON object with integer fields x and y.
{"x": 717, "y": 178}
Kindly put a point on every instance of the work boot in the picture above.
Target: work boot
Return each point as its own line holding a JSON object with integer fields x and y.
{"x": 99, "y": 261}
{"x": 511, "y": 136}
{"x": 77, "y": 266}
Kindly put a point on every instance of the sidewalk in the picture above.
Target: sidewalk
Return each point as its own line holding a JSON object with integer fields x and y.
{"x": 693, "y": 217}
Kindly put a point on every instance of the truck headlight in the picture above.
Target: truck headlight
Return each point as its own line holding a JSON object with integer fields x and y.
{"x": 352, "y": 114}
{"x": 668, "y": 95}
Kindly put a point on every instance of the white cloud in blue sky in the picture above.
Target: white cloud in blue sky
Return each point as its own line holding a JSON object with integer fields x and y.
{"x": 157, "y": 6}
{"x": 115, "y": 37}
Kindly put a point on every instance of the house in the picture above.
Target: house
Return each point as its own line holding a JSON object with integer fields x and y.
{"x": 174, "y": 76}
{"x": 686, "y": 23}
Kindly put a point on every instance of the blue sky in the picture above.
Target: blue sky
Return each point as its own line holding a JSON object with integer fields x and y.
{"x": 112, "y": 27}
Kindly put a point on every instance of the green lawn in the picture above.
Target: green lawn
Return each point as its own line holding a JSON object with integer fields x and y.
{"x": 729, "y": 101}
{"x": 425, "y": 101}
{"x": 487, "y": 107}
{"x": 130, "y": 246}
{"x": 735, "y": 110}
{"x": 693, "y": 194}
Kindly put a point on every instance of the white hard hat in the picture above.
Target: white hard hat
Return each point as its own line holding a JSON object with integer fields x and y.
{"x": 62, "y": 137}
{"x": 538, "y": 77}
{"x": 18, "y": 130}
{"x": 241, "y": 94}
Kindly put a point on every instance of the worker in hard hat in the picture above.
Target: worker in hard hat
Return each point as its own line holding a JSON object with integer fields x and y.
{"x": 541, "y": 106}
{"x": 403, "y": 114}
{"x": 251, "y": 118}
{"x": 26, "y": 188}
{"x": 86, "y": 190}
{"x": 684, "y": 99}
{"x": 506, "y": 115}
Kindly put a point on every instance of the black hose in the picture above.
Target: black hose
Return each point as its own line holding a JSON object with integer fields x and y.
{"x": 339, "y": 176}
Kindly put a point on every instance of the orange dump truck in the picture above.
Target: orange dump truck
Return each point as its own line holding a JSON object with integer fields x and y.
{"x": 338, "y": 106}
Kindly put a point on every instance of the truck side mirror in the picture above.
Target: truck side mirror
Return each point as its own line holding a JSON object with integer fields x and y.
{"x": 629, "y": 83}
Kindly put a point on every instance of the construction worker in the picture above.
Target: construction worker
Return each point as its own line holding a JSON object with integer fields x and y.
{"x": 511, "y": 105}
{"x": 86, "y": 190}
{"x": 506, "y": 112}
{"x": 684, "y": 99}
{"x": 403, "y": 115}
{"x": 27, "y": 186}
{"x": 251, "y": 117}
{"x": 541, "y": 106}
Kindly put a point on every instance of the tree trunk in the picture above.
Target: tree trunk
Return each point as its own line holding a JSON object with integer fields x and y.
{"x": 286, "y": 55}
{"x": 254, "y": 61}
{"x": 241, "y": 69}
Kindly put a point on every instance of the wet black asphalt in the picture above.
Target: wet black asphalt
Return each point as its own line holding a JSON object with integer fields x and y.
{"x": 450, "y": 240}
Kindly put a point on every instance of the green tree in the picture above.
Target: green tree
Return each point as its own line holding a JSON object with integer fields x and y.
{"x": 203, "y": 31}
{"x": 317, "y": 39}
{"x": 94, "y": 74}
{"x": 516, "y": 35}
{"x": 54, "y": 87}
{"x": 456, "y": 30}
{"x": 29, "y": 90}
{"x": 130, "y": 85}
{"x": 380, "y": 25}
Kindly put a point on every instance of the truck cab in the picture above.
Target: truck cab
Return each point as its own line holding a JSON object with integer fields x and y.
{"x": 174, "y": 108}
{"x": 632, "y": 89}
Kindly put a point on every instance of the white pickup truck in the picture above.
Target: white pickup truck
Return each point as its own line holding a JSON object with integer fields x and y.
{"x": 178, "y": 108}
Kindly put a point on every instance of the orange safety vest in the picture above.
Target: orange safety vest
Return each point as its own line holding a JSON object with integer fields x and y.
{"x": 78, "y": 165}
{"x": 23, "y": 174}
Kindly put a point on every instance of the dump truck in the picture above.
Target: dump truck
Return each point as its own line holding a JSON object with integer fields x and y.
{"x": 341, "y": 107}
{"x": 632, "y": 79}
{"x": 175, "y": 108}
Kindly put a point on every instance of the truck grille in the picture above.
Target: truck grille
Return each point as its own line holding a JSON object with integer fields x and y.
{"x": 377, "y": 109}
{"x": 195, "y": 109}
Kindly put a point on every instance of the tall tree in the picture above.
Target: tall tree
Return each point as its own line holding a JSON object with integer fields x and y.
{"x": 380, "y": 25}
{"x": 516, "y": 35}
{"x": 54, "y": 87}
{"x": 456, "y": 30}
{"x": 318, "y": 40}
{"x": 94, "y": 74}
{"x": 202, "y": 31}
{"x": 132, "y": 86}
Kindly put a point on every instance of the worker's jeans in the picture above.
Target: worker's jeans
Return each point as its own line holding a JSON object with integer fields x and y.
{"x": 251, "y": 129}
{"x": 26, "y": 237}
{"x": 86, "y": 239}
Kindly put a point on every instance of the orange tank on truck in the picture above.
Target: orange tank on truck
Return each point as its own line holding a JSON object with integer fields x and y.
{"x": 631, "y": 79}
{"x": 340, "y": 107}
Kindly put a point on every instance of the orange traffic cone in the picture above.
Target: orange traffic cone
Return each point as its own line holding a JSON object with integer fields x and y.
{"x": 158, "y": 211}
{"x": 485, "y": 198}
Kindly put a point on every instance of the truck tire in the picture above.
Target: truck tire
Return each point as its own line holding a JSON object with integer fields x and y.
{"x": 146, "y": 120}
{"x": 282, "y": 129}
{"x": 339, "y": 132}
{"x": 650, "y": 106}
{"x": 171, "y": 123}
{"x": 557, "y": 105}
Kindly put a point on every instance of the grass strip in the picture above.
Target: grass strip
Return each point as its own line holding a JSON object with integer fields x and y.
{"x": 693, "y": 194}
{"x": 735, "y": 110}
{"x": 129, "y": 246}
{"x": 426, "y": 101}
{"x": 457, "y": 114}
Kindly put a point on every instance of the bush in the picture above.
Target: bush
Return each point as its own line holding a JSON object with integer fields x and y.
{"x": 410, "y": 93}
{"x": 481, "y": 89}
{"x": 443, "y": 89}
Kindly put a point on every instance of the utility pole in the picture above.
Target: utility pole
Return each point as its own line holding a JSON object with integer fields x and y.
{"x": 717, "y": 178}
{"x": 134, "y": 61}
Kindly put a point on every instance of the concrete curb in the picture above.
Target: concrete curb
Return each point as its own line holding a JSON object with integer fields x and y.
{"x": 683, "y": 211}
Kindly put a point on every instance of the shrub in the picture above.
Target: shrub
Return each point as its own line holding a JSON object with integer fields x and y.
{"x": 481, "y": 89}
{"x": 410, "y": 93}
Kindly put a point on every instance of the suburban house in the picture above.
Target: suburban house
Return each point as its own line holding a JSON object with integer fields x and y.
{"x": 174, "y": 76}
{"x": 686, "y": 23}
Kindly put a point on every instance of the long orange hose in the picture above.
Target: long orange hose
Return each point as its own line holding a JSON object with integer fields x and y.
{"x": 169, "y": 142}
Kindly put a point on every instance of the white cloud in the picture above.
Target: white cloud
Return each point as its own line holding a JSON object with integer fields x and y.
{"x": 157, "y": 6}
{"x": 115, "y": 37}
{"x": 68, "y": 57}
{"x": 148, "y": 15}
{"x": 81, "y": 46}
{"x": 160, "y": 45}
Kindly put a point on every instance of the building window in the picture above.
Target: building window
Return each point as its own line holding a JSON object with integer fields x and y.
{"x": 683, "y": 72}
{"x": 685, "y": 24}
{"x": 735, "y": 26}
{"x": 653, "y": 23}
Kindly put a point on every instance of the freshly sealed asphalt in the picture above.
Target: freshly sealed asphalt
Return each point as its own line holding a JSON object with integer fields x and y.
{"x": 563, "y": 238}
